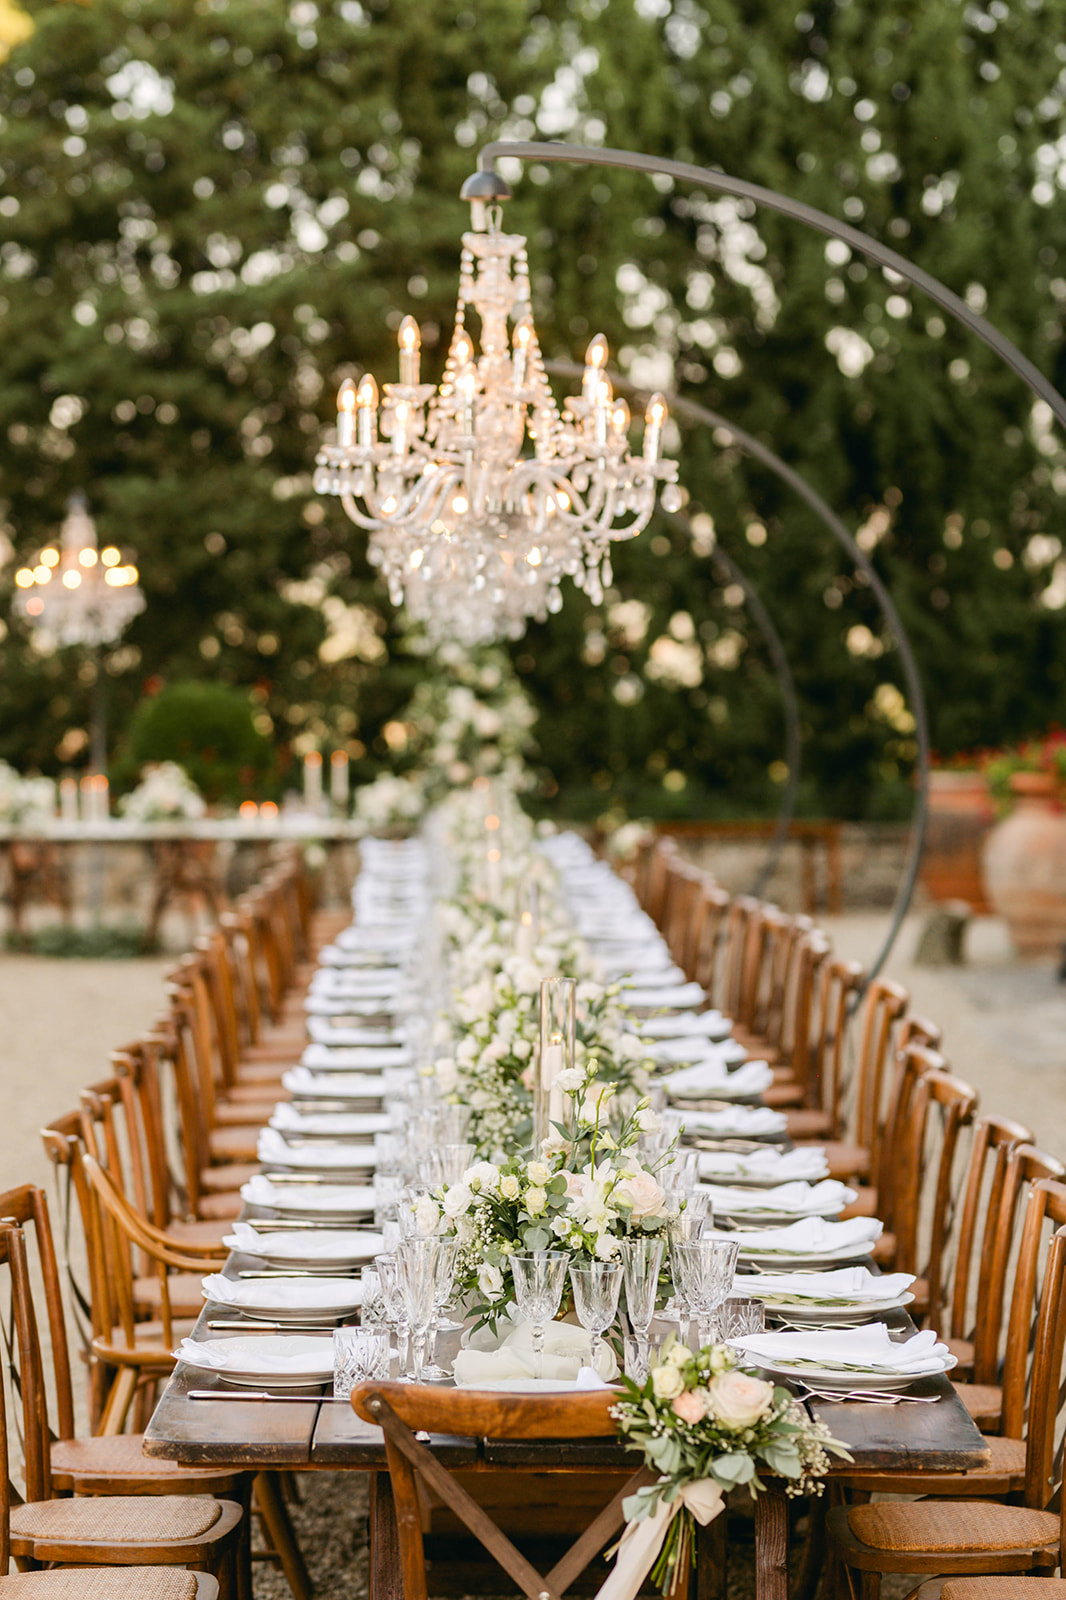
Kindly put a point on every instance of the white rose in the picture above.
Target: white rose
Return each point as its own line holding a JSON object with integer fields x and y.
{"x": 666, "y": 1382}
{"x": 510, "y": 1187}
{"x": 678, "y": 1355}
{"x": 490, "y": 1281}
{"x": 444, "y": 1071}
{"x": 536, "y": 1200}
{"x": 641, "y": 1194}
{"x": 457, "y": 1201}
{"x": 538, "y": 1172}
{"x": 737, "y": 1400}
{"x": 522, "y": 1049}
{"x": 482, "y": 1177}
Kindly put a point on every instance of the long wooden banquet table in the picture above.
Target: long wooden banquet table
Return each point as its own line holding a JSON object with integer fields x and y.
{"x": 319, "y": 1433}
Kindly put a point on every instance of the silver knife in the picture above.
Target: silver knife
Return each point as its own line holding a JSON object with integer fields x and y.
{"x": 261, "y": 1394}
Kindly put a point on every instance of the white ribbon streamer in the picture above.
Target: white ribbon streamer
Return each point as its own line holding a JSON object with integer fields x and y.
{"x": 642, "y": 1541}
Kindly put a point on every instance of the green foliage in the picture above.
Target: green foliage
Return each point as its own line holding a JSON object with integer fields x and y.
{"x": 222, "y": 211}
{"x": 210, "y": 731}
{"x": 97, "y": 943}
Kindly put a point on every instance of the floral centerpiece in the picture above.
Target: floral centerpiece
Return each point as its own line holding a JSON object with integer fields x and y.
{"x": 705, "y": 1426}
{"x": 165, "y": 793}
{"x": 391, "y": 802}
{"x": 583, "y": 1193}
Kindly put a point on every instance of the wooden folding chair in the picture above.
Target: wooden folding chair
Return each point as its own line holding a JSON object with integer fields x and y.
{"x": 401, "y": 1410}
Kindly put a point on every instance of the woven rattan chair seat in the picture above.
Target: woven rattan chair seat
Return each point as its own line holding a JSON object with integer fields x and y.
{"x": 102, "y": 1583}
{"x": 982, "y": 1401}
{"x": 954, "y": 1525}
{"x": 113, "y": 1518}
{"x": 1004, "y": 1589}
{"x": 122, "y": 1455}
{"x": 218, "y": 1180}
{"x": 184, "y": 1288}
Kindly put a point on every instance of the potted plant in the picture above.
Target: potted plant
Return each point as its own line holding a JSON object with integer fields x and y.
{"x": 1025, "y": 853}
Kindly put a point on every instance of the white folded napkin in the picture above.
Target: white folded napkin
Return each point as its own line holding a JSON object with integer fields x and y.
{"x": 736, "y": 1122}
{"x": 285, "y": 1294}
{"x": 303, "y": 1084}
{"x": 367, "y": 1054}
{"x": 696, "y": 1052}
{"x": 812, "y": 1236}
{"x": 586, "y": 1380}
{"x": 328, "y": 980}
{"x": 300, "y": 1245}
{"x": 846, "y": 1285}
{"x": 644, "y": 975}
{"x": 868, "y": 1346}
{"x": 686, "y": 1024}
{"x": 331, "y": 1198}
{"x": 273, "y": 1151}
{"x": 283, "y": 1355}
{"x": 318, "y": 1006}
{"x": 685, "y": 994}
{"x": 807, "y": 1162}
{"x": 805, "y": 1199}
{"x": 711, "y": 1080}
{"x": 339, "y": 1124}
{"x": 565, "y": 1351}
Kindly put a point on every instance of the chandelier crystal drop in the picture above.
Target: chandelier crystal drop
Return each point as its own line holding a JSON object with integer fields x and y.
{"x": 480, "y": 496}
{"x": 79, "y": 594}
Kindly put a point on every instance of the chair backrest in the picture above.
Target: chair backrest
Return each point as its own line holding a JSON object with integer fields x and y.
{"x": 709, "y": 916}
{"x": 27, "y": 1385}
{"x": 741, "y": 949}
{"x": 923, "y": 1202}
{"x": 781, "y": 968}
{"x": 401, "y": 1410}
{"x": 1035, "y": 1387}
{"x": 682, "y": 890}
{"x": 811, "y": 956}
{"x": 911, "y": 1064}
{"x": 1027, "y": 1167}
{"x": 994, "y": 1139}
{"x": 27, "y": 1208}
{"x": 827, "y": 1052}
{"x": 883, "y": 1005}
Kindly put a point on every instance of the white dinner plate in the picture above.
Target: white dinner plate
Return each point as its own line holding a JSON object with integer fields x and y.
{"x": 847, "y": 1378}
{"x": 840, "y": 1314}
{"x": 318, "y": 1251}
{"x": 750, "y": 1255}
{"x": 345, "y": 1201}
{"x": 310, "y": 1360}
{"x": 318, "y": 1299}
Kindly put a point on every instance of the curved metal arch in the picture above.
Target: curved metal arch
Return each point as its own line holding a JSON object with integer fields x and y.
{"x": 762, "y": 453}
{"x": 821, "y": 222}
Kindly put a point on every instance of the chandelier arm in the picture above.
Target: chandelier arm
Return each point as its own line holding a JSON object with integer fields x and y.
{"x": 768, "y": 458}
{"x": 796, "y": 211}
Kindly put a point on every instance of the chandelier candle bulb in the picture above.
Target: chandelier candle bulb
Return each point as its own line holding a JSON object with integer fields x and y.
{"x": 338, "y": 780}
{"x": 313, "y": 778}
{"x": 523, "y": 336}
{"x": 595, "y": 361}
{"x": 346, "y": 402}
{"x": 410, "y": 338}
{"x": 654, "y": 418}
{"x": 366, "y": 402}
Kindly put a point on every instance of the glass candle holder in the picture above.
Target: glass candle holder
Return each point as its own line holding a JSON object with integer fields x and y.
{"x": 556, "y": 1054}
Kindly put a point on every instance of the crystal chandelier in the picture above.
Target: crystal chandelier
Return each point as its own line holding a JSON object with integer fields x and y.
{"x": 77, "y": 594}
{"x": 479, "y": 497}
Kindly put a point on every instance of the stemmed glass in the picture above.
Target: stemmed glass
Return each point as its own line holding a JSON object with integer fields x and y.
{"x": 596, "y": 1289}
{"x": 538, "y": 1287}
{"x": 443, "y": 1283}
{"x": 707, "y": 1266}
{"x": 388, "y": 1268}
{"x": 684, "y": 1228}
{"x": 641, "y": 1259}
{"x": 445, "y": 1164}
{"x": 417, "y": 1261}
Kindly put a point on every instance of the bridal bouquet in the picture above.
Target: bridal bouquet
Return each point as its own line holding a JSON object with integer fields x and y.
{"x": 705, "y": 1426}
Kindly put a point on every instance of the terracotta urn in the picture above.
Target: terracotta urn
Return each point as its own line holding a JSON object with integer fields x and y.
{"x": 1025, "y": 866}
{"x": 960, "y": 818}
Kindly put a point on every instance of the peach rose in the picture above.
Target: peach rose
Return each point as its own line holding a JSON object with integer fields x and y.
{"x": 689, "y": 1406}
{"x": 642, "y": 1194}
{"x": 737, "y": 1400}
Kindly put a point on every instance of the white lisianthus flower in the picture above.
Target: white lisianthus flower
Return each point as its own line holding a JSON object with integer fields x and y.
{"x": 446, "y": 1073}
{"x": 561, "y": 1226}
{"x": 483, "y": 1177}
{"x": 606, "y": 1247}
{"x": 666, "y": 1382}
{"x": 536, "y": 1200}
{"x": 490, "y": 1281}
{"x": 466, "y": 1051}
{"x": 522, "y": 1049}
{"x": 510, "y": 1187}
{"x": 678, "y": 1355}
{"x": 538, "y": 1172}
{"x": 570, "y": 1080}
{"x": 588, "y": 993}
{"x": 457, "y": 1201}
{"x": 649, "y": 1121}
{"x": 630, "y": 1048}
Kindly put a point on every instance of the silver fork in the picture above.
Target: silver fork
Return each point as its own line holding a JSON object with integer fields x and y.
{"x": 874, "y": 1397}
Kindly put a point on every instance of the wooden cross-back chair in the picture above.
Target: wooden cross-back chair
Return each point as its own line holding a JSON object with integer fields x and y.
{"x": 825, "y": 1067}
{"x": 683, "y": 881}
{"x": 709, "y": 917}
{"x": 774, "y": 972}
{"x": 741, "y": 953}
{"x": 794, "y": 1084}
{"x": 939, "y": 1107}
{"x": 39, "y": 1530}
{"x": 664, "y": 853}
{"x": 402, "y": 1410}
{"x": 953, "y": 1536}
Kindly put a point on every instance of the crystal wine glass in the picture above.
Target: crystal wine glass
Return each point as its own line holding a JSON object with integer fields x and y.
{"x": 685, "y": 1227}
{"x": 707, "y": 1265}
{"x": 642, "y": 1257}
{"x": 417, "y": 1262}
{"x": 443, "y": 1284}
{"x": 596, "y": 1289}
{"x": 388, "y": 1269}
{"x": 538, "y": 1287}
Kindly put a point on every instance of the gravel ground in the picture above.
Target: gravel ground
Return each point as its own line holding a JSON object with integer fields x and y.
{"x": 1004, "y": 1028}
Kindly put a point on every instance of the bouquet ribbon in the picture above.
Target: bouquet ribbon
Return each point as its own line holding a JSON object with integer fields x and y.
{"x": 642, "y": 1541}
